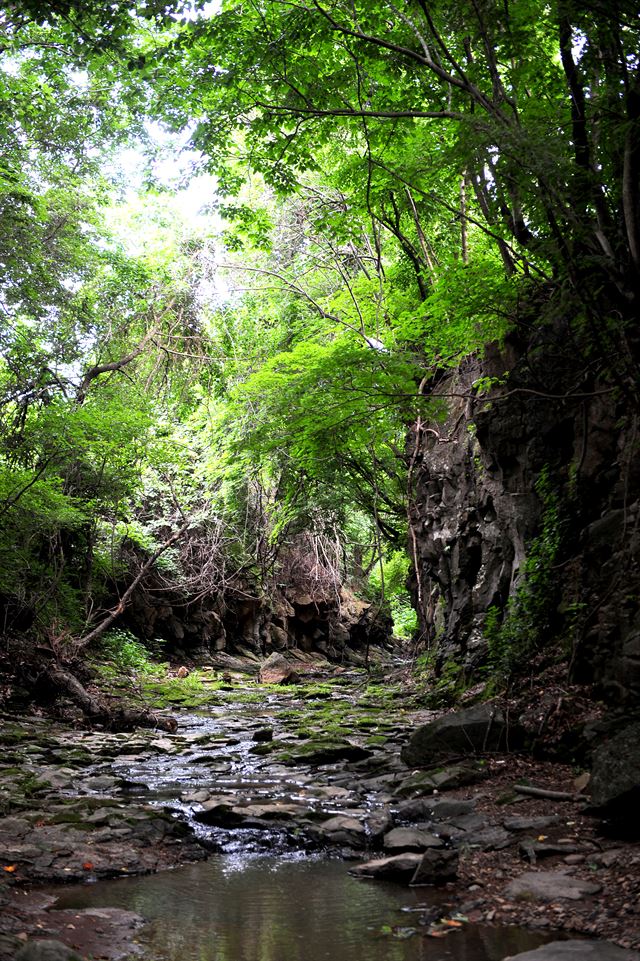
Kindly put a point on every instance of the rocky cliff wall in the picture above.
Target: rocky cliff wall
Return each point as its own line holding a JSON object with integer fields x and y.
{"x": 339, "y": 625}
{"x": 479, "y": 511}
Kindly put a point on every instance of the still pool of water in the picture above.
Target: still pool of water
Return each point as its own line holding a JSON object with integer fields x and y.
{"x": 237, "y": 908}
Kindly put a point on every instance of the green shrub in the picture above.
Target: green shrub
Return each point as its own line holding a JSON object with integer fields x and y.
{"x": 126, "y": 652}
{"x": 393, "y": 578}
{"x": 518, "y": 632}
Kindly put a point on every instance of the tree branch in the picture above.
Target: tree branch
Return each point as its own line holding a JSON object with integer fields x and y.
{"x": 124, "y": 600}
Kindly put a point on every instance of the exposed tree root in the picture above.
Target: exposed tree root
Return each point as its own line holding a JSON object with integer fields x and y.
{"x": 114, "y": 718}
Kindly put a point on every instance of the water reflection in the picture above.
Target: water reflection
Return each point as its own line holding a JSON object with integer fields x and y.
{"x": 235, "y": 909}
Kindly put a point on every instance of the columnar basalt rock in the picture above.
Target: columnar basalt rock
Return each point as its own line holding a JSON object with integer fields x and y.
{"x": 475, "y": 508}
{"x": 338, "y": 625}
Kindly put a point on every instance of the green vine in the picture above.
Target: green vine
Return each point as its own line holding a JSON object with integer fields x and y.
{"x": 517, "y": 633}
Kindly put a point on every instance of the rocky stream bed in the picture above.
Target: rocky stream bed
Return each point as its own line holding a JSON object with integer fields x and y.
{"x": 303, "y": 786}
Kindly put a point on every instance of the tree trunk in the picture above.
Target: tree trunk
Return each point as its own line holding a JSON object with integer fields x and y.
{"x": 114, "y": 718}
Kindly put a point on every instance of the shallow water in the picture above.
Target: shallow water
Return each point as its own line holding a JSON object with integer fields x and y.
{"x": 241, "y": 908}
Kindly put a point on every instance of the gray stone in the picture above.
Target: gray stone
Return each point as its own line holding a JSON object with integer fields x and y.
{"x": 578, "y": 950}
{"x": 262, "y": 735}
{"x": 549, "y": 886}
{"x": 469, "y": 822}
{"x": 410, "y": 839}
{"x": 277, "y": 670}
{"x": 378, "y": 823}
{"x": 275, "y": 811}
{"x": 342, "y": 822}
{"x": 343, "y": 829}
{"x": 218, "y": 811}
{"x": 531, "y": 824}
{"x": 46, "y": 951}
{"x": 440, "y": 779}
{"x": 14, "y": 827}
{"x": 532, "y": 849}
{"x": 400, "y": 867}
{"x": 490, "y": 838}
{"x": 57, "y": 777}
{"x": 328, "y": 752}
{"x": 101, "y": 783}
{"x": 436, "y": 867}
{"x": 482, "y": 727}
{"x": 435, "y": 809}
{"x": 9, "y": 944}
{"x": 615, "y": 778}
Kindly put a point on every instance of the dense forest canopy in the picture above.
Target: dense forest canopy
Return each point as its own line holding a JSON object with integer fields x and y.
{"x": 398, "y": 185}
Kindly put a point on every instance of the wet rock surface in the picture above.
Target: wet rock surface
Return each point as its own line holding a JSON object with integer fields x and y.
{"x": 476, "y": 729}
{"x": 578, "y": 950}
{"x": 309, "y": 768}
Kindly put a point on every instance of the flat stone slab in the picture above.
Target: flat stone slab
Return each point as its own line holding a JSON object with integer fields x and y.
{"x": 328, "y": 752}
{"x": 480, "y": 728}
{"x": 531, "y": 824}
{"x": 440, "y": 779}
{"x": 47, "y": 950}
{"x": 578, "y": 950}
{"x": 410, "y": 839}
{"x": 270, "y": 812}
{"x": 489, "y": 838}
{"x": 615, "y": 778}
{"x": 550, "y": 886}
{"x": 436, "y": 867}
{"x": 400, "y": 867}
{"x": 342, "y": 822}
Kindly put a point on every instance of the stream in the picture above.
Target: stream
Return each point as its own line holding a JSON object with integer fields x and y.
{"x": 239, "y": 908}
{"x": 284, "y": 789}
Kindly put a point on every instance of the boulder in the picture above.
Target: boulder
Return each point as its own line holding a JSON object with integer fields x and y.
{"x": 433, "y": 809}
{"x": 410, "y": 839}
{"x": 46, "y": 951}
{"x": 441, "y": 779}
{"x": 263, "y": 734}
{"x": 219, "y": 812}
{"x": 436, "y": 867}
{"x": 275, "y": 811}
{"x": 480, "y": 728}
{"x": 537, "y": 824}
{"x": 378, "y": 823}
{"x": 549, "y": 886}
{"x": 343, "y": 829}
{"x": 328, "y": 752}
{"x": 615, "y": 778}
{"x": 400, "y": 867}
{"x": 277, "y": 670}
{"x": 577, "y": 951}
{"x": 488, "y": 837}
